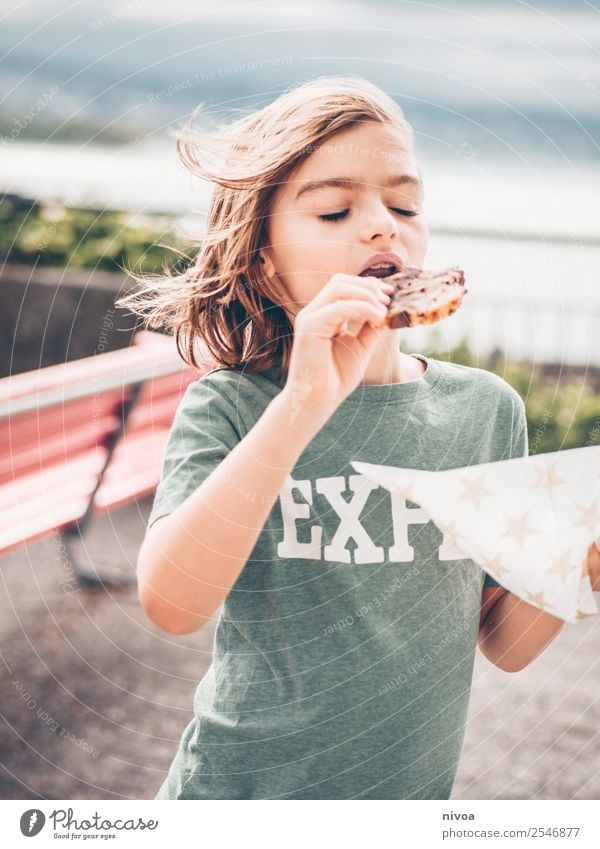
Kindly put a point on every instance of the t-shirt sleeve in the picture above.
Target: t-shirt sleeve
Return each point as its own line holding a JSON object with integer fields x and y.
{"x": 202, "y": 434}
{"x": 519, "y": 448}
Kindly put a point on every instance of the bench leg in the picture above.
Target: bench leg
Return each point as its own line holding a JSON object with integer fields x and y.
{"x": 87, "y": 579}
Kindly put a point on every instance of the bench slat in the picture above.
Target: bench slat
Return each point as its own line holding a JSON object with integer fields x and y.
{"x": 134, "y": 471}
{"x": 60, "y": 448}
{"x": 37, "y": 425}
{"x": 54, "y": 498}
{"x": 51, "y": 482}
{"x": 31, "y": 528}
{"x": 54, "y": 427}
{"x": 147, "y": 348}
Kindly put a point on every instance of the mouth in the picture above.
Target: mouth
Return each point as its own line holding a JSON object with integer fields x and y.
{"x": 380, "y": 269}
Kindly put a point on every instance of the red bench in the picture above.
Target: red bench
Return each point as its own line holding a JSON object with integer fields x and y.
{"x": 85, "y": 437}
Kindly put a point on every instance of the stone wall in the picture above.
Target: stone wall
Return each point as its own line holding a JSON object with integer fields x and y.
{"x": 50, "y": 316}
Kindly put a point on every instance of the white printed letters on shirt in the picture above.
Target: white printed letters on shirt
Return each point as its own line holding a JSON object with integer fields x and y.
{"x": 350, "y": 526}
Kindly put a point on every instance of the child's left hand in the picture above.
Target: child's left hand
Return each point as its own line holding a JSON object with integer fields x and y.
{"x": 593, "y": 565}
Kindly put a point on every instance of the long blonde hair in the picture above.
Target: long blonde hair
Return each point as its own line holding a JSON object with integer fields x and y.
{"x": 224, "y": 299}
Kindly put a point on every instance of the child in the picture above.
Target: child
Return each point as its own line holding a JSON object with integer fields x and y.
{"x": 345, "y": 644}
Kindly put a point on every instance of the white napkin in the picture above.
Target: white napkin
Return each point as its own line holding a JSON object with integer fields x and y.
{"x": 527, "y": 521}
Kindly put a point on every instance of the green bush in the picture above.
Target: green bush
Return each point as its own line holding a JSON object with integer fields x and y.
{"x": 85, "y": 238}
{"x": 563, "y": 410}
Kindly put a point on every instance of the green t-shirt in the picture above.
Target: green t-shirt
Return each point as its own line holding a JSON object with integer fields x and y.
{"x": 343, "y": 654}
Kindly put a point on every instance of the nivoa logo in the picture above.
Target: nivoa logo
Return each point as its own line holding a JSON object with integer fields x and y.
{"x": 32, "y": 822}
{"x": 454, "y": 815}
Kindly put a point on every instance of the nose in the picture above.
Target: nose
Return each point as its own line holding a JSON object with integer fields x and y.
{"x": 377, "y": 221}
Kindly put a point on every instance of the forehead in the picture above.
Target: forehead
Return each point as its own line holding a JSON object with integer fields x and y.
{"x": 370, "y": 153}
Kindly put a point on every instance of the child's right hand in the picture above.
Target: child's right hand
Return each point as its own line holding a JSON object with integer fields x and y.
{"x": 327, "y": 363}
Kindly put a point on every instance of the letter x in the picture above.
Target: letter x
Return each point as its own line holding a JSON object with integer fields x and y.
{"x": 348, "y": 512}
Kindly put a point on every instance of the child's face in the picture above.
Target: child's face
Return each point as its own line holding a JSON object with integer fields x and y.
{"x": 313, "y": 234}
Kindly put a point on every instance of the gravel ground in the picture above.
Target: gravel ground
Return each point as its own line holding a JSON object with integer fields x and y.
{"x": 94, "y": 697}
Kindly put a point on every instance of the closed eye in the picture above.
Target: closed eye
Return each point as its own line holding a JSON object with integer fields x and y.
{"x": 337, "y": 216}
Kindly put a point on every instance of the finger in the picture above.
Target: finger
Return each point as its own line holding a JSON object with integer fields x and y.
{"x": 366, "y": 338}
{"x": 353, "y": 326}
{"x": 331, "y": 318}
{"x": 371, "y": 289}
{"x": 349, "y": 293}
{"x": 592, "y": 566}
{"x": 354, "y": 351}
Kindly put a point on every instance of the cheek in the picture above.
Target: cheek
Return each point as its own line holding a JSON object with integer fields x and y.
{"x": 307, "y": 266}
{"x": 421, "y": 240}
{"x": 308, "y": 243}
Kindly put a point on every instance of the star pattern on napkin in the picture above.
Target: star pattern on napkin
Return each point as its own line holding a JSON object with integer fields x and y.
{"x": 451, "y": 531}
{"x": 589, "y": 517}
{"x": 495, "y": 567}
{"x": 520, "y": 529}
{"x": 474, "y": 489}
{"x": 528, "y": 521}
{"x": 547, "y": 478}
{"x": 560, "y": 566}
{"x": 537, "y": 599}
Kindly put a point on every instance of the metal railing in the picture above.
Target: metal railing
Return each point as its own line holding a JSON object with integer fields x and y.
{"x": 542, "y": 331}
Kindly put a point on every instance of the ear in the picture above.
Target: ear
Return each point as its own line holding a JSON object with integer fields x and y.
{"x": 266, "y": 261}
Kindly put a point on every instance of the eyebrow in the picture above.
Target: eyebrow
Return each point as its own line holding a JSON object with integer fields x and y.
{"x": 350, "y": 183}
